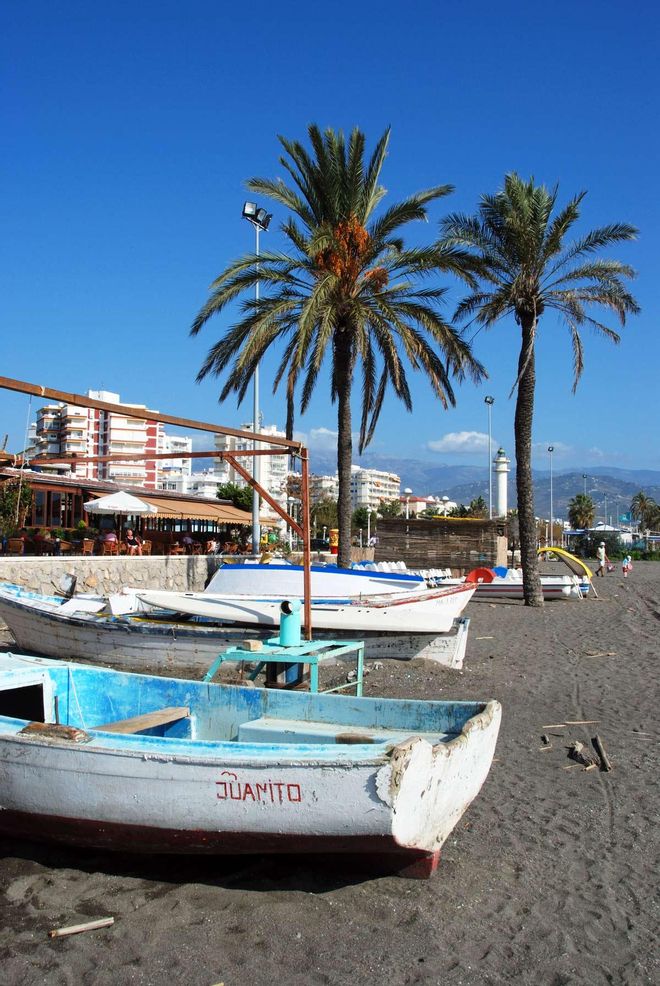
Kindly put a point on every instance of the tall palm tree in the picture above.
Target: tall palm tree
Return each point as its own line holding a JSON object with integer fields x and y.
{"x": 644, "y": 509}
{"x": 526, "y": 269}
{"x": 346, "y": 289}
{"x": 581, "y": 512}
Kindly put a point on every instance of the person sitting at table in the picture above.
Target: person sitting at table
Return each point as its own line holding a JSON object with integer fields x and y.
{"x": 133, "y": 543}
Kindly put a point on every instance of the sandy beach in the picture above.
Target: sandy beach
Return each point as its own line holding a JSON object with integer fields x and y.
{"x": 550, "y": 878}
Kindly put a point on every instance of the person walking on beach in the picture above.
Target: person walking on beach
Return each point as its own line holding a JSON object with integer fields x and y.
{"x": 601, "y": 560}
{"x": 626, "y": 566}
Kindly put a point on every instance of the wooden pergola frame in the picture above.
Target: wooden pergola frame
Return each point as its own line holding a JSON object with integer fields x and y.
{"x": 283, "y": 445}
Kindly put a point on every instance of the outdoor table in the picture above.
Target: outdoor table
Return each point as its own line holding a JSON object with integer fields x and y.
{"x": 309, "y": 652}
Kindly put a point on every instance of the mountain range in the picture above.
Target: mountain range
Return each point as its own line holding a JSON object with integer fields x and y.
{"x": 610, "y": 488}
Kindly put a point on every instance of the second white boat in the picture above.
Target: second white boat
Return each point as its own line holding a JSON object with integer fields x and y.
{"x": 429, "y": 611}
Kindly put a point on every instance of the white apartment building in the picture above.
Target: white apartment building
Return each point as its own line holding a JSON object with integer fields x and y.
{"x": 323, "y": 488}
{"x": 203, "y": 484}
{"x": 273, "y": 469}
{"x": 370, "y": 486}
{"x": 174, "y": 467}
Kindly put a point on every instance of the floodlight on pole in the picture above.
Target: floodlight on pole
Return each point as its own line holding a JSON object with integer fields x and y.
{"x": 489, "y": 401}
{"x": 551, "y": 449}
{"x": 260, "y": 220}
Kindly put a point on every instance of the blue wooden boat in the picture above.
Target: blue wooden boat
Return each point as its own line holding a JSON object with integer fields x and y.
{"x": 101, "y": 758}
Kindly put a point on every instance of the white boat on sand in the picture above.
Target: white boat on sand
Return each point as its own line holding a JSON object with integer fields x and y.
{"x": 428, "y": 611}
{"x": 99, "y": 758}
{"x": 83, "y": 629}
{"x": 285, "y": 581}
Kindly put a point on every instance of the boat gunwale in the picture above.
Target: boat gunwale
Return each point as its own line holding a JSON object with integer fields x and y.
{"x": 141, "y": 746}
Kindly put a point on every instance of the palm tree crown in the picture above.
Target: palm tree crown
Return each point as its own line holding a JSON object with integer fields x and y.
{"x": 347, "y": 288}
{"x": 526, "y": 267}
{"x": 645, "y": 509}
{"x": 581, "y": 511}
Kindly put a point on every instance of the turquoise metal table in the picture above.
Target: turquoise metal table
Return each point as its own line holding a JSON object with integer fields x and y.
{"x": 308, "y": 652}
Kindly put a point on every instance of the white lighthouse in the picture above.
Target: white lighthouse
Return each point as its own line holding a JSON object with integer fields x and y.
{"x": 502, "y": 470}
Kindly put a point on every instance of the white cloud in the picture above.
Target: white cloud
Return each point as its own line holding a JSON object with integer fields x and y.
{"x": 559, "y": 449}
{"x": 320, "y": 439}
{"x": 462, "y": 443}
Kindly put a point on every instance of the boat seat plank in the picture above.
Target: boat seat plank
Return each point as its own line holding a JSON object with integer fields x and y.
{"x": 273, "y": 730}
{"x": 136, "y": 724}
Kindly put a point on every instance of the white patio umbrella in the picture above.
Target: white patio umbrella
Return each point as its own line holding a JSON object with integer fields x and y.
{"x": 121, "y": 503}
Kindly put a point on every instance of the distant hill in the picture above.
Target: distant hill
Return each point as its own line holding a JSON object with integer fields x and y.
{"x": 614, "y": 487}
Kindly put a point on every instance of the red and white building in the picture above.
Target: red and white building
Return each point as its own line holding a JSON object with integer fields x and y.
{"x": 68, "y": 430}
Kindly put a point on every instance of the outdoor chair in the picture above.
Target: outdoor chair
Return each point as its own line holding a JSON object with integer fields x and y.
{"x": 109, "y": 548}
{"x": 15, "y": 546}
{"x": 87, "y": 546}
{"x": 146, "y": 547}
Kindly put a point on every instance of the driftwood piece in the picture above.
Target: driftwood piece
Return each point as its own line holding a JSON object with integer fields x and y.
{"x": 75, "y": 929}
{"x": 578, "y": 752}
{"x": 600, "y": 750}
{"x": 545, "y": 739}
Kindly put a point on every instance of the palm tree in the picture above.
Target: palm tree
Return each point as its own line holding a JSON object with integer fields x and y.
{"x": 528, "y": 268}
{"x": 644, "y": 509}
{"x": 347, "y": 289}
{"x": 581, "y": 512}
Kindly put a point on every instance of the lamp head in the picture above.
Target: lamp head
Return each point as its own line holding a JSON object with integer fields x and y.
{"x": 263, "y": 218}
{"x": 551, "y": 448}
{"x": 489, "y": 400}
{"x": 256, "y": 215}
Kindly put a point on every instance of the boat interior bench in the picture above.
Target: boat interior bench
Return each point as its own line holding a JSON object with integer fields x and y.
{"x": 147, "y": 721}
{"x": 272, "y": 730}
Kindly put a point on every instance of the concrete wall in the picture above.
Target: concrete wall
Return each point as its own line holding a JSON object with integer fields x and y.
{"x": 106, "y": 574}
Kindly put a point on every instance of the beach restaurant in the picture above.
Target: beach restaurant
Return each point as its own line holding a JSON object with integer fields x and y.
{"x": 57, "y": 501}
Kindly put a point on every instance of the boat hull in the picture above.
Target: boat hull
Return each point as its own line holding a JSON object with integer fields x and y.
{"x": 434, "y": 611}
{"x": 286, "y": 581}
{"x": 142, "y": 644}
{"x": 380, "y": 852}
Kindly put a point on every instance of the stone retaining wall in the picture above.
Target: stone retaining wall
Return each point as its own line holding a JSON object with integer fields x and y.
{"x": 106, "y": 574}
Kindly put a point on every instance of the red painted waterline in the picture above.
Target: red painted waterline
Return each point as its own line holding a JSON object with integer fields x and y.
{"x": 125, "y": 838}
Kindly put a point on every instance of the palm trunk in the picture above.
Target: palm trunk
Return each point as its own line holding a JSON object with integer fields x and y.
{"x": 532, "y": 592}
{"x": 343, "y": 381}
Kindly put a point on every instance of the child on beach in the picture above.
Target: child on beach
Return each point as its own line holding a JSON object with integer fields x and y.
{"x": 626, "y": 566}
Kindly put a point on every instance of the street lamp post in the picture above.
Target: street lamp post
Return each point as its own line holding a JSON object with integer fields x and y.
{"x": 407, "y": 491}
{"x": 489, "y": 401}
{"x": 584, "y": 481}
{"x": 551, "y": 449}
{"x": 260, "y": 220}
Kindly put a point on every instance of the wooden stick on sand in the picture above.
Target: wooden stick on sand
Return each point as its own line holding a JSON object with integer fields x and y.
{"x": 600, "y": 750}
{"x": 75, "y": 929}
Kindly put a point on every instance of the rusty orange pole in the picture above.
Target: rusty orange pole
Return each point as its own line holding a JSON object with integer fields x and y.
{"x": 307, "y": 547}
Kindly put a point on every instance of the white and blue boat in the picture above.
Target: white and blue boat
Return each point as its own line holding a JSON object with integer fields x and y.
{"x": 101, "y": 758}
{"x": 327, "y": 581}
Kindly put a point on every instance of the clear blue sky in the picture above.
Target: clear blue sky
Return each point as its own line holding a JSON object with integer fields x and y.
{"x": 130, "y": 129}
